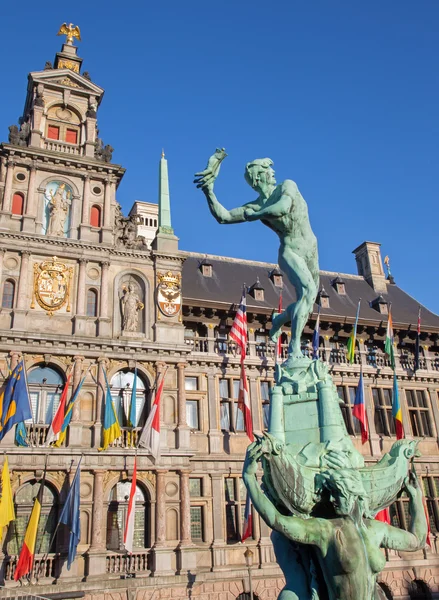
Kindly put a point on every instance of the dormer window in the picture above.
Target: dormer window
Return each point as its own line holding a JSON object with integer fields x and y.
{"x": 277, "y": 277}
{"x": 206, "y": 268}
{"x": 257, "y": 291}
{"x": 323, "y": 298}
{"x": 380, "y": 305}
{"x": 339, "y": 285}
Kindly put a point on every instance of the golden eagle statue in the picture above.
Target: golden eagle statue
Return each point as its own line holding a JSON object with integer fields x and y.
{"x": 70, "y": 31}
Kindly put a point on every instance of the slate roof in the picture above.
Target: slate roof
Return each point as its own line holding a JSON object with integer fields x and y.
{"x": 229, "y": 274}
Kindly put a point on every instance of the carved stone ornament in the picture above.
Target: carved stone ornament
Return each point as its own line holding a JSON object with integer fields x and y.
{"x": 169, "y": 293}
{"x": 52, "y": 281}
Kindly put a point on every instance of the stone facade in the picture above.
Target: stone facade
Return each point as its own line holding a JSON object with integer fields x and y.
{"x": 68, "y": 259}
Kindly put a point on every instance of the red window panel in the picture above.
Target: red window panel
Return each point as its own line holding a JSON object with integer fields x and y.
{"x": 72, "y": 136}
{"x": 53, "y": 132}
{"x": 95, "y": 216}
{"x": 17, "y": 204}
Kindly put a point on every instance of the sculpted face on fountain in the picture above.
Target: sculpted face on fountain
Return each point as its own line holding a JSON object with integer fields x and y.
{"x": 260, "y": 176}
{"x": 346, "y": 491}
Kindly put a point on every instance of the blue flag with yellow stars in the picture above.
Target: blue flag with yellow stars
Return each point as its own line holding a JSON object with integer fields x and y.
{"x": 14, "y": 401}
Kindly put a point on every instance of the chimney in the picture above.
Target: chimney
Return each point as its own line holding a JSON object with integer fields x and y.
{"x": 370, "y": 265}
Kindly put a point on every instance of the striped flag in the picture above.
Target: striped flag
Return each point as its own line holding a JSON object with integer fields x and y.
{"x": 7, "y": 512}
{"x": 129, "y": 524}
{"x": 58, "y": 419}
{"x": 150, "y": 437}
{"x": 27, "y": 554}
{"x": 244, "y": 403}
{"x": 70, "y": 515}
{"x": 278, "y": 357}
{"x": 418, "y": 341}
{"x": 389, "y": 346}
{"x": 238, "y": 333}
{"x": 132, "y": 417}
{"x": 359, "y": 410}
{"x": 396, "y": 410}
{"x": 352, "y": 341}
{"x": 68, "y": 415}
{"x": 428, "y": 540}
{"x": 111, "y": 430}
{"x": 247, "y": 530}
{"x": 316, "y": 338}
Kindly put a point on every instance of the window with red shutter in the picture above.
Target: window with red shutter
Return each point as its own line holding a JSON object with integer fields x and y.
{"x": 53, "y": 132}
{"x": 95, "y": 216}
{"x": 71, "y": 136}
{"x": 17, "y": 204}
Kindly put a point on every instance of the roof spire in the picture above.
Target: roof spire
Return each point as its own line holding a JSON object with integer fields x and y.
{"x": 164, "y": 200}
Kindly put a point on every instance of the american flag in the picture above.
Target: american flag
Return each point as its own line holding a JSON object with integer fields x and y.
{"x": 238, "y": 333}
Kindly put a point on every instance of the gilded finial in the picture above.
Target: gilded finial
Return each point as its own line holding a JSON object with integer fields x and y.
{"x": 71, "y": 31}
{"x": 163, "y": 153}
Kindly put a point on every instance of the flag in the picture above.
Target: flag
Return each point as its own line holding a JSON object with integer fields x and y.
{"x": 316, "y": 338}
{"x": 150, "y": 437}
{"x": 418, "y": 341}
{"x": 14, "y": 404}
{"x": 70, "y": 515}
{"x": 396, "y": 410}
{"x": 279, "y": 339}
{"x": 389, "y": 346}
{"x": 359, "y": 410}
{"x": 132, "y": 417}
{"x": 428, "y": 540}
{"x": 111, "y": 429}
{"x": 7, "y": 513}
{"x": 238, "y": 333}
{"x": 129, "y": 524}
{"x": 247, "y": 530}
{"x": 352, "y": 341}
{"x": 68, "y": 415}
{"x": 58, "y": 419}
{"x": 21, "y": 435}
{"x": 27, "y": 554}
{"x": 383, "y": 516}
{"x": 244, "y": 403}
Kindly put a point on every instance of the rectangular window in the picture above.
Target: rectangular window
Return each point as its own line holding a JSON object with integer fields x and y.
{"x": 264, "y": 388}
{"x": 52, "y": 403}
{"x": 191, "y": 384}
{"x": 195, "y": 487}
{"x": 192, "y": 414}
{"x": 197, "y": 523}
{"x": 347, "y": 397}
{"x": 384, "y": 421}
{"x": 53, "y": 132}
{"x": 431, "y": 492}
{"x": 34, "y": 404}
{"x": 234, "y": 496}
{"x": 71, "y": 136}
{"x": 419, "y": 413}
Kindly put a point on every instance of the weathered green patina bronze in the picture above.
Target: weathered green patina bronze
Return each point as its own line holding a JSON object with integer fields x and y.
{"x": 318, "y": 497}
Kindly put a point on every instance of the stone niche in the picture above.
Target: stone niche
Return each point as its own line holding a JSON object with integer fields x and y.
{"x": 131, "y": 306}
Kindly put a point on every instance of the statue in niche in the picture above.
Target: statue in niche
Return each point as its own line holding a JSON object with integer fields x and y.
{"x": 59, "y": 203}
{"x": 131, "y": 306}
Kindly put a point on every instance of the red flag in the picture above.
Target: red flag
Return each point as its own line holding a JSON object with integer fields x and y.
{"x": 244, "y": 403}
{"x": 247, "y": 530}
{"x": 150, "y": 437}
{"x": 58, "y": 419}
{"x": 279, "y": 339}
{"x": 428, "y": 540}
{"x": 129, "y": 525}
{"x": 383, "y": 516}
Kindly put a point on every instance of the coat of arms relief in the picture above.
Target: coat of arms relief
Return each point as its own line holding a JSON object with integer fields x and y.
{"x": 169, "y": 293}
{"x": 52, "y": 281}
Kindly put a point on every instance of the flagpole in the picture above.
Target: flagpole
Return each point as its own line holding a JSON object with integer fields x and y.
{"x": 28, "y": 396}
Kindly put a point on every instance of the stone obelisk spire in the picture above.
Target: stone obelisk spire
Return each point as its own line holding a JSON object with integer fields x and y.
{"x": 165, "y": 238}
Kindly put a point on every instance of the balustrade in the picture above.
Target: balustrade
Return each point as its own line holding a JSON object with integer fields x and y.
{"x": 36, "y": 434}
{"x": 137, "y": 562}
{"x": 44, "y": 567}
{"x": 128, "y": 439}
{"x": 56, "y": 146}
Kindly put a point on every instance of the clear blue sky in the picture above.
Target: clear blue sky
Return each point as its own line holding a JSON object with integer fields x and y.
{"x": 342, "y": 95}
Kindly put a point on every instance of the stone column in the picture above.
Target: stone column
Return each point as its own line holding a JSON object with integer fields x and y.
{"x": 15, "y": 357}
{"x": 215, "y": 436}
{"x": 75, "y": 428}
{"x": 2, "y": 169}
{"x": 80, "y": 317}
{"x": 219, "y": 545}
{"x": 30, "y": 213}
{"x": 104, "y": 319}
{"x": 24, "y": 293}
{"x": 162, "y": 554}
{"x": 85, "y": 220}
{"x": 2, "y": 255}
{"x": 97, "y": 427}
{"x": 183, "y": 431}
{"x": 187, "y": 558}
{"x": 96, "y": 552}
{"x": 107, "y": 229}
{"x": 7, "y": 196}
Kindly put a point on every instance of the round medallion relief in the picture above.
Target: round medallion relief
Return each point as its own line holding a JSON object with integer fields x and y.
{"x": 85, "y": 490}
{"x": 93, "y": 273}
{"x": 64, "y": 114}
{"x": 171, "y": 489}
{"x": 11, "y": 263}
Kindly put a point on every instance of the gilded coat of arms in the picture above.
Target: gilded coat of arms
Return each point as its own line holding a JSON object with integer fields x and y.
{"x": 169, "y": 293}
{"x": 52, "y": 285}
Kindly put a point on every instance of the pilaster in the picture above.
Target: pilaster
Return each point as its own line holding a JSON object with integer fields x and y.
{"x": 183, "y": 431}
{"x": 80, "y": 318}
{"x": 219, "y": 550}
{"x": 100, "y": 393}
{"x": 75, "y": 427}
{"x": 85, "y": 227}
{"x": 162, "y": 554}
{"x": 97, "y": 552}
{"x": 19, "y": 313}
{"x": 215, "y": 435}
{"x": 187, "y": 557}
{"x": 104, "y": 320}
{"x": 30, "y": 213}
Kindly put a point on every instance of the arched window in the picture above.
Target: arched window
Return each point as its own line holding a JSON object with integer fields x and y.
{"x": 117, "y": 515}
{"x": 24, "y": 500}
{"x": 45, "y": 388}
{"x": 95, "y": 216}
{"x": 92, "y": 303}
{"x": 419, "y": 590}
{"x": 17, "y": 203}
{"x": 8, "y": 294}
{"x": 121, "y": 390}
{"x": 386, "y": 590}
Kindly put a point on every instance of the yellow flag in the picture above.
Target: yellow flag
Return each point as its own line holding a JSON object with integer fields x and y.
{"x": 7, "y": 512}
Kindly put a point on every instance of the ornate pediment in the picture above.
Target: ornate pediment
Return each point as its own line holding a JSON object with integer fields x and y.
{"x": 66, "y": 77}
